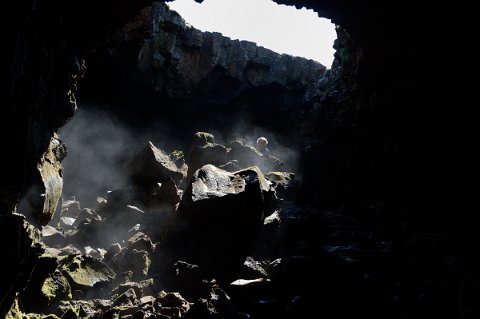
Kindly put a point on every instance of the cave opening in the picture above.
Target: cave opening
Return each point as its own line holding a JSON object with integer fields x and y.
{"x": 371, "y": 226}
{"x": 160, "y": 79}
{"x": 281, "y": 28}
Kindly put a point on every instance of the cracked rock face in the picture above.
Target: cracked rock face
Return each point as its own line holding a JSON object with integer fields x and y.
{"x": 219, "y": 217}
{"x": 182, "y": 61}
{"x": 40, "y": 202}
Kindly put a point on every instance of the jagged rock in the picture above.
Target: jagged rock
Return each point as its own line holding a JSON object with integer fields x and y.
{"x": 40, "y": 97}
{"x": 55, "y": 288}
{"x": 284, "y": 184}
{"x": 134, "y": 229}
{"x": 128, "y": 298}
{"x": 85, "y": 271}
{"x": 280, "y": 177}
{"x": 383, "y": 121}
{"x": 202, "y": 138}
{"x": 230, "y": 166}
{"x": 162, "y": 205}
{"x": 75, "y": 309}
{"x": 47, "y": 286}
{"x": 52, "y": 252}
{"x": 290, "y": 227}
{"x": 165, "y": 194}
{"x": 151, "y": 166}
{"x": 270, "y": 200}
{"x": 246, "y": 282}
{"x": 16, "y": 312}
{"x": 272, "y": 221}
{"x": 98, "y": 253}
{"x": 147, "y": 300}
{"x": 40, "y": 202}
{"x": 53, "y": 237}
{"x": 123, "y": 278}
{"x": 118, "y": 218}
{"x": 115, "y": 200}
{"x": 131, "y": 259}
{"x": 140, "y": 241}
{"x": 246, "y": 156}
{"x": 219, "y": 217}
{"x": 187, "y": 279}
{"x": 70, "y": 250}
{"x": 114, "y": 250}
{"x": 67, "y": 222}
{"x": 202, "y": 308}
{"x": 89, "y": 232}
{"x": 184, "y": 60}
{"x": 101, "y": 201}
{"x": 84, "y": 214}
{"x": 220, "y": 299}
{"x": 173, "y": 300}
{"x": 142, "y": 288}
{"x": 205, "y": 151}
{"x": 253, "y": 269}
{"x": 247, "y": 291}
{"x": 70, "y": 208}
{"x": 183, "y": 269}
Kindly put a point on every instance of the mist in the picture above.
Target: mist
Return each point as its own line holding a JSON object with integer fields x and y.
{"x": 279, "y": 146}
{"x": 99, "y": 143}
{"x": 98, "y": 146}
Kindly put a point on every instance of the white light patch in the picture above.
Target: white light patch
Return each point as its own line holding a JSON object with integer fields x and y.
{"x": 280, "y": 28}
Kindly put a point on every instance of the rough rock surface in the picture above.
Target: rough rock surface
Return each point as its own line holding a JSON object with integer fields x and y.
{"x": 377, "y": 132}
{"x": 44, "y": 43}
{"x": 150, "y": 166}
{"x": 219, "y": 217}
{"x": 182, "y": 61}
{"x": 206, "y": 81}
{"x": 40, "y": 202}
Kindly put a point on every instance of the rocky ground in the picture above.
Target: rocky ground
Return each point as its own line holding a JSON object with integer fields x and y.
{"x": 232, "y": 240}
{"x": 373, "y": 225}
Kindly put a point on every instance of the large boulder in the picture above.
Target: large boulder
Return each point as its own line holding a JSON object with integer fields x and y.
{"x": 85, "y": 274}
{"x": 40, "y": 200}
{"x": 46, "y": 288}
{"x": 204, "y": 151}
{"x": 150, "y": 166}
{"x": 219, "y": 217}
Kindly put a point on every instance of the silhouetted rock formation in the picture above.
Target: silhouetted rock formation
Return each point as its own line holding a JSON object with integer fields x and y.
{"x": 152, "y": 165}
{"x": 205, "y": 80}
{"x": 219, "y": 217}
{"x": 182, "y": 61}
{"x": 375, "y": 227}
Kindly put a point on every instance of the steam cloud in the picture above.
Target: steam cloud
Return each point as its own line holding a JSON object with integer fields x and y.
{"x": 99, "y": 144}
{"x": 279, "y": 146}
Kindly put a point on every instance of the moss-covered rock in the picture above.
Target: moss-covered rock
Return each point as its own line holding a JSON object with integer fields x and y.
{"x": 86, "y": 271}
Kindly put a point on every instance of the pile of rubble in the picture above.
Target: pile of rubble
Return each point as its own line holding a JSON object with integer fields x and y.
{"x": 207, "y": 239}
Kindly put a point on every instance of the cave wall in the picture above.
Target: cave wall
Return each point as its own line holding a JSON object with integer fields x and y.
{"x": 382, "y": 112}
{"x": 379, "y": 122}
{"x": 366, "y": 129}
{"x": 43, "y": 45}
{"x": 195, "y": 80}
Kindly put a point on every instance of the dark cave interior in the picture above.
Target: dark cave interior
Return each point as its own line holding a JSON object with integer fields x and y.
{"x": 372, "y": 224}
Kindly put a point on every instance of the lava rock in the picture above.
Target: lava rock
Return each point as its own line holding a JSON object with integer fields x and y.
{"x": 151, "y": 166}
{"x": 219, "y": 217}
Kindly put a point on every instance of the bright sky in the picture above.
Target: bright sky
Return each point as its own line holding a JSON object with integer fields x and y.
{"x": 280, "y": 28}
